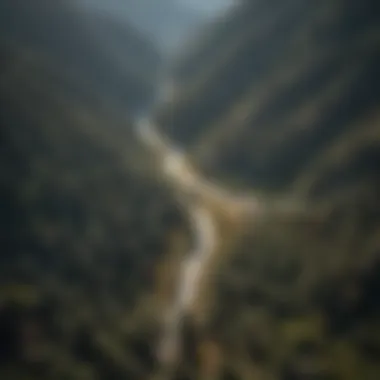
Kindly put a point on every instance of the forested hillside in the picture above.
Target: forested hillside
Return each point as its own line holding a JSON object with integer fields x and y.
{"x": 282, "y": 97}
{"x": 84, "y": 220}
{"x": 273, "y": 86}
{"x": 83, "y": 225}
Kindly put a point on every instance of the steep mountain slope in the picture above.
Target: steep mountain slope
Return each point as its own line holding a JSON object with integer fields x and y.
{"x": 283, "y": 97}
{"x": 83, "y": 224}
{"x": 274, "y": 85}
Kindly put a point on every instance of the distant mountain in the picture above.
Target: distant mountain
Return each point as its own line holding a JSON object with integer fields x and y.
{"x": 166, "y": 22}
{"x": 112, "y": 57}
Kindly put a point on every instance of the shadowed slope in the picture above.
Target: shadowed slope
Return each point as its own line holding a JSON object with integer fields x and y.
{"x": 289, "y": 80}
{"x": 287, "y": 103}
{"x": 84, "y": 224}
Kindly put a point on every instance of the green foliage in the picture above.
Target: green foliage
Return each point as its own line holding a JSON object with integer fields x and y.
{"x": 283, "y": 106}
{"x": 274, "y": 97}
{"x": 84, "y": 222}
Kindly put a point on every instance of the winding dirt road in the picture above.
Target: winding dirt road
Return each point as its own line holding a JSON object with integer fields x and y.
{"x": 199, "y": 196}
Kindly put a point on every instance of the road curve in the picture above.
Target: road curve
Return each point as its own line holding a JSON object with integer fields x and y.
{"x": 193, "y": 190}
{"x": 190, "y": 274}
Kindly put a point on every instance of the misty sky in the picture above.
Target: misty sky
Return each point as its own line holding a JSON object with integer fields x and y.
{"x": 208, "y": 5}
